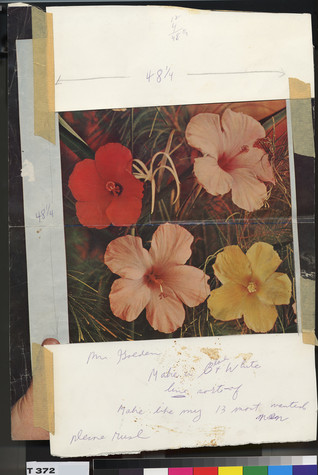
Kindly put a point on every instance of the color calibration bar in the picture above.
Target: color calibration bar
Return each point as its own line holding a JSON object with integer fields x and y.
{"x": 226, "y": 466}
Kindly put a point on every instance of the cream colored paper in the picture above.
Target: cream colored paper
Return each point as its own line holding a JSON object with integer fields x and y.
{"x": 155, "y": 55}
{"x": 125, "y": 397}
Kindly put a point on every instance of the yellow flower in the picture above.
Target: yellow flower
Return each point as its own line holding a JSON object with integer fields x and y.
{"x": 251, "y": 287}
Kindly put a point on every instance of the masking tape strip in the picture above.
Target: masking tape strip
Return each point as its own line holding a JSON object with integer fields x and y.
{"x": 309, "y": 338}
{"x": 303, "y": 143}
{"x": 43, "y": 388}
{"x": 307, "y": 292}
{"x": 43, "y": 68}
{"x": 302, "y": 125}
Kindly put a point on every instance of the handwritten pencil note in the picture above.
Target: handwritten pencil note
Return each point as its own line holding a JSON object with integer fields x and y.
{"x": 126, "y": 397}
{"x": 159, "y": 55}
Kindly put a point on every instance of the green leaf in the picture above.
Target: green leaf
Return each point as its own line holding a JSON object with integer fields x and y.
{"x": 268, "y": 124}
{"x": 73, "y": 141}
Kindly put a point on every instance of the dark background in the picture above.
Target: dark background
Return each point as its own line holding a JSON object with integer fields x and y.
{"x": 14, "y": 454}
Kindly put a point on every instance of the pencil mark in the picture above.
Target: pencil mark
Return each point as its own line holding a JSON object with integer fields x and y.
{"x": 280, "y": 72}
{"x": 61, "y": 80}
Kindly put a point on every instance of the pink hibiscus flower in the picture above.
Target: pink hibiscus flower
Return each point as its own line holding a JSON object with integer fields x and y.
{"x": 230, "y": 160}
{"x": 156, "y": 280}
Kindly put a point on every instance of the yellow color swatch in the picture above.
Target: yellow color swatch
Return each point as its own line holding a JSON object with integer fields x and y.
{"x": 230, "y": 470}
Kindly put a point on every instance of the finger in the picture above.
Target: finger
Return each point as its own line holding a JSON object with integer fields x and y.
{"x": 22, "y": 427}
{"x": 50, "y": 341}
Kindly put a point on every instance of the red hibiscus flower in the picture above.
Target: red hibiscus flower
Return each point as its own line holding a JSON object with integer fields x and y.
{"x": 105, "y": 188}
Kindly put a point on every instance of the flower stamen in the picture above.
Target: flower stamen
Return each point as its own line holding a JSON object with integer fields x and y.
{"x": 244, "y": 149}
{"x": 154, "y": 280}
{"x": 162, "y": 295}
{"x": 114, "y": 188}
{"x": 251, "y": 287}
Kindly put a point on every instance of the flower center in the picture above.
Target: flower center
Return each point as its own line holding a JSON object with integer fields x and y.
{"x": 153, "y": 280}
{"x": 114, "y": 188}
{"x": 227, "y": 163}
{"x": 251, "y": 287}
{"x": 224, "y": 162}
